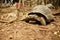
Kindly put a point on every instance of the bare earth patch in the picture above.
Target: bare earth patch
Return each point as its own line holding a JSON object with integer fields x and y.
{"x": 20, "y": 30}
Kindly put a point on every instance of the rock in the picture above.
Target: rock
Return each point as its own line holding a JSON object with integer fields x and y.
{"x": 8, "y": 17}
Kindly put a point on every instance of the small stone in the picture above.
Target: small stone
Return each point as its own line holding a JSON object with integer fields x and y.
{"x": 55, "y": 33}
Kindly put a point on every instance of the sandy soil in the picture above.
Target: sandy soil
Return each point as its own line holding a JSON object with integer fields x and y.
{"x": 20, "y": 30}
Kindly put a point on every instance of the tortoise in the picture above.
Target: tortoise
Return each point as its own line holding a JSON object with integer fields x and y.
{"x": 40, "y": 13}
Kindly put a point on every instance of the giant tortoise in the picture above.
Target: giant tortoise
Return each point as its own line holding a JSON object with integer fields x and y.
{"x": 40, "y": 13}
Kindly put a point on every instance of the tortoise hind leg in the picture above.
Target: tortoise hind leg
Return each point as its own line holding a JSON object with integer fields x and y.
{"x": 42, "y": 20}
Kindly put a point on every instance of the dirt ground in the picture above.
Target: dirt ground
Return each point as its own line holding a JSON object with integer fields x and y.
{"x": 20, "y": 30}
